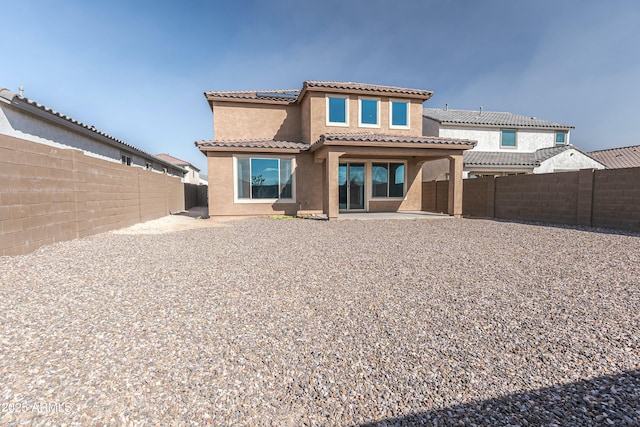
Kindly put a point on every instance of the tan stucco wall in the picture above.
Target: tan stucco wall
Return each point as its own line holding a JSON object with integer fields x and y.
{"x": 233, "y": 121}
{"x": 314, "y": 106}
{"x": 308, "y": 179}
{"x": 49, "y": 194}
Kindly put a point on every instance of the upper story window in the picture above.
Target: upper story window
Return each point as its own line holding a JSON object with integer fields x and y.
{"x": 369, "y": 114}
{"x": 561, "y": 138}
{"x": 399, "y": 115}
{"x": 508, "y": 139}
{"x": 337, "y": 111}
{"x": 125, "y": 160}
{"x": 259, "y": 178}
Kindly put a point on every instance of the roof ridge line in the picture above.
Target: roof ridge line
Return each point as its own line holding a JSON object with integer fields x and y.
{"x": 615, "y": 148}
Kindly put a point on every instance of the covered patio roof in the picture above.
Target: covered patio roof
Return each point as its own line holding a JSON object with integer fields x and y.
{"x": 362, "y": 142}
{"x": 376, "y": 144}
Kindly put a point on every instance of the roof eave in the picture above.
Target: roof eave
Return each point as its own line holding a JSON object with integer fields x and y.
{"x": 22, "y": 104}
{"x": 501, "y": 126}
{"x": 368, "y": 92}
{"x": 377, "y": 144}
{"x": 205, "y": 149}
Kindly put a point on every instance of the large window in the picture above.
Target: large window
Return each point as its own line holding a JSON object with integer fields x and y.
{"x": 561, "y": 138}
{"x": 399, "y": 115}
{"x": 369, "y": 114}
{"x": 337, "y": 111}
{"x": 264, "y": 178}
{"x": 508, "y": 138}
{"x": 387, "y": 180}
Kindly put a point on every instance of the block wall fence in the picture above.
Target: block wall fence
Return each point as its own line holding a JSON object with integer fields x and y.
{"x": 48, "y": 195}
{"x": 608, "y": 198}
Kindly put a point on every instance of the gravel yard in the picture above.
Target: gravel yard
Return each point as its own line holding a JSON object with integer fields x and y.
{"x": 301, "y": 322}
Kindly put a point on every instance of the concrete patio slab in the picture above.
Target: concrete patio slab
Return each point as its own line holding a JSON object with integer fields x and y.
{"x": 345, "y": 216}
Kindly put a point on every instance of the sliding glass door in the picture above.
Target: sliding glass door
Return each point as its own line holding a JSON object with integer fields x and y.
{"x": 351, "y": 186}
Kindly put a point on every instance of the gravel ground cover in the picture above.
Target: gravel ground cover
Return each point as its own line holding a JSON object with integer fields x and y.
{"x": 272, "y": 322}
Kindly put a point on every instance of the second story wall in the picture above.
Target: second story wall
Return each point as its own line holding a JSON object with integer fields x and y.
{"x": 236, "y": 120}
{"x": 489, "y": 139}
{"x": 314, "y": 116}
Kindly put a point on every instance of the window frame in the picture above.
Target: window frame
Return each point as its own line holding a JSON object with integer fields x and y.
{"x": 346, "y": 110}
{"x": 515, "y": 138}
{"x": 564, "y": 138}
{"x": 404, "y": 183}
{"x": 368, "y": 125}
{"x": 126, "y": 160}
{"x": 291, "y": 158}
{"x": 408, "y": 104}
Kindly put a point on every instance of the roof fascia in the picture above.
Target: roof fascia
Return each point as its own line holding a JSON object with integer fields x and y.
{"x": 361, "y": 92}
{"x": 206, "y": 149}
{"x": 454, "y": 125}
{"x": 414, "y": 145}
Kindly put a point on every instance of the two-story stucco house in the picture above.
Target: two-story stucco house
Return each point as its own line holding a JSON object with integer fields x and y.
{"x": 330, "y": 147}
{"x": 507, "y": 143}
{"x": 191, "y": 172}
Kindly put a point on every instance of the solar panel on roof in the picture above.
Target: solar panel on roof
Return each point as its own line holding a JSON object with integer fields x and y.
{"x": 283, "y": 95}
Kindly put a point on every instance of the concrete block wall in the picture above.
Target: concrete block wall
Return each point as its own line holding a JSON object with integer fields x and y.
{"x": 548, "y": 198}
{"x": 49, "y": 194}
{"x": 608, "y": 198}
{"x": 616, "y": 198}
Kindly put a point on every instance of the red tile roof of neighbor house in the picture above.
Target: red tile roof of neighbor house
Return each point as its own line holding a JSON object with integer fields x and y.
{"x": 292, "y": 96}
{"x": 618, "y": 158}
{"x": 489, "y": 118}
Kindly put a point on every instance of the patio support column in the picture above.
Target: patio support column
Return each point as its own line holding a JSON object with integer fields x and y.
{"x": 455, "y": 186}
{"x": 330, "y": 202}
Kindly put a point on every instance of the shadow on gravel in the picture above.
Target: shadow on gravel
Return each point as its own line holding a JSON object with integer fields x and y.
{"x": 609, "y": 400}
{"x": 195, "y": 212}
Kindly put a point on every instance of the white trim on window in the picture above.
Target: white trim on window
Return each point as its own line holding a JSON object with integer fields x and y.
{"x": 346, "y": 110}
{"x": 565, "y": 135}
{"x": 391, "y": 125}
{"x": 370, "y": 183}
{"x": 236, "y": 199}
{"x": 368, "y": 125}
{"x": 515, "y": 139}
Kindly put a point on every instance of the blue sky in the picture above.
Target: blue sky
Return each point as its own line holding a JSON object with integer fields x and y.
{"x": 137, "y": 69}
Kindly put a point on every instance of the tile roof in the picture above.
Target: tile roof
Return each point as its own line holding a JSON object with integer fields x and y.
{"x": 509, "y": 158}
{"x": 280, "y": 95}
{"x": 366, "y": 87}
{"x": 291, "y": 96}
{"x": 382, "y": 137}
{"x": 618, "y": 158}
{"x": 176, "y": 161}
{"x": 19, "y": 100}
{"x": 253, "y": 143}
{"x": 490, "y": 118}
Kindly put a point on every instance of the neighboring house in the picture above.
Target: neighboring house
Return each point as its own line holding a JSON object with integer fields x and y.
{"x": 618, "y": 158}
{"x": 330, "y": 147}
{"x": 192, "y": 173}
{"x": 204, "y": 179}
{"x": 23, "y": 118}
{"x": 508, "y": 143}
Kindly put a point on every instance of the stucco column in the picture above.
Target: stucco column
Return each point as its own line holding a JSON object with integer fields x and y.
{"x": 455, "y": 185}
{"x": 330, "y": 205}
